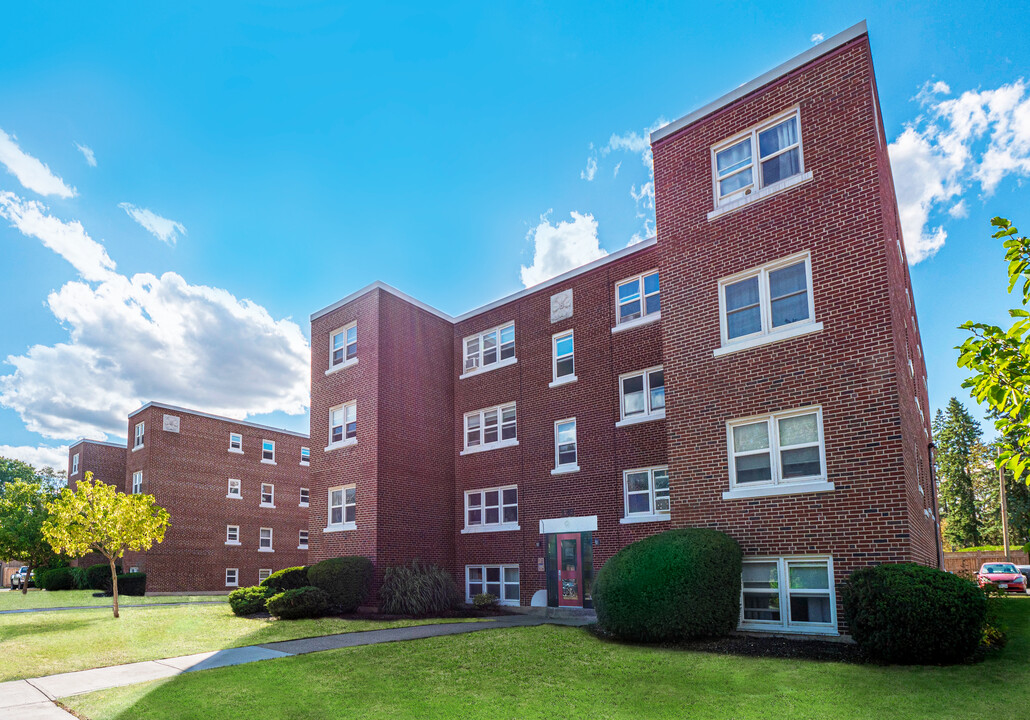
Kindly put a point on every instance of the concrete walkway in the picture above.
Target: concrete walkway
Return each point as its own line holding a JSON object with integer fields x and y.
{"x": 108, "y": 607}
{"x": 32, "y": 699}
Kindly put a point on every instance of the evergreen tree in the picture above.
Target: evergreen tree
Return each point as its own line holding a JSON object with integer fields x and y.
{"x": 957, "y": 435}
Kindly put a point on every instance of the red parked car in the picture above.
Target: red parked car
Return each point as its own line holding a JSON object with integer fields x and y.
{"x": 1005, "y": 575}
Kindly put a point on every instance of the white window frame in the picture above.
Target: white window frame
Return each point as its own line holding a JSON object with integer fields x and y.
{"x": 138, "y": 435}
{"x": 134, "y": 569}
{"x": 784, "y": 624}
{"x": 238, "y": 484}
{"x": 500, "y": 596}
{"x": 777, "y": 485}
{"x": 344, "y": 441}
{"x": 302, "y": 540}
{"x": 137, "y": 482}
{"x": 560, "y": 469}
{"x": 555, "y": 380}
{"x": 237, "y": 440}
{"x": 344, "y": 524}
{"x": 739, "y": 198}
{"x": 75, "y": 464}
{"x": 232, "y": 534}
{"x": 262, "y": 547}
{"x": 480, "y": 415}
{"x": 271, "y": 493}
{"x": 267, "y": 461}
{"x": 767, "y": 333}
{"x": 305, "y": 497}
{"x": 472, "y": 362}
{"x": 264, "y": 574}
{"x": 653, "y": 515}
{"x": 483, "y": 525}
{"x": 645, "y": 316}
{"x": 235, "y": 581}
{"x": 345, "y": 361}
{"x": 649, "y": 412}
{"x": 305, "y": 456}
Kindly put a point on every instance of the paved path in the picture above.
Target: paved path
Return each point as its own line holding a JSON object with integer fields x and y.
{"x": 108, "y": 607}
{"x": 32, "y": 699}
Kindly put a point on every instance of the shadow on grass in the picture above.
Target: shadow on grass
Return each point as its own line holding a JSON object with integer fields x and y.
{"x": 12, "y": 632}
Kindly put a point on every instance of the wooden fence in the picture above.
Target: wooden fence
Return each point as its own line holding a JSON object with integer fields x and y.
{"x": 967, "y": 563}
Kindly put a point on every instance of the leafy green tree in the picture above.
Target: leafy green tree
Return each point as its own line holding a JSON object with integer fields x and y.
{"x": 23, "y": 512}
{"x": 957, "y": 436}
{"x": 11, "y": 470}
{"x": 96, "y": 517}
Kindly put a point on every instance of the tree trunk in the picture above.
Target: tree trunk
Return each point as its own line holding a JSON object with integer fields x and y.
{"x": 114, "y": 585}
{"x": 25, "y": 581}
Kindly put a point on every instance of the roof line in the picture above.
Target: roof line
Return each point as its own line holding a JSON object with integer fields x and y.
{"x": 379, "y": 285}
{"x": 827, "y": 46}
{"x": 97, "y": 442}
{"x": 234, "y": 421}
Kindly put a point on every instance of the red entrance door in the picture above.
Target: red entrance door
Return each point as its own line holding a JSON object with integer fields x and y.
{"x": 570, "y": 578}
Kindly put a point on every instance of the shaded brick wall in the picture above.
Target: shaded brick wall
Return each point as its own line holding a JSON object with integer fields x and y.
{"x": 107, "y": 464}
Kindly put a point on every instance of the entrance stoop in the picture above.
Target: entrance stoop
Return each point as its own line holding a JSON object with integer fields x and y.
{"x": 585, "y": 616}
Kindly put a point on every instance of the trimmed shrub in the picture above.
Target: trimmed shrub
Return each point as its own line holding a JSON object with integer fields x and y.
{"x": 417, "y": 588}
{"x": 60, "y": 578}
{"x": 287, "y": 579}
{"x": 80, "y": 578}
{"x": 249, "y": 600}
{"x": 346, "y": 580}
{"x": 99, "y": 576}
{"x": 678, "y": 585}
{"x": 908, "y": 613}
{"x": 302, "y": 602}
{"x": 134, "y": 583}
{"x": 485, "y": 601}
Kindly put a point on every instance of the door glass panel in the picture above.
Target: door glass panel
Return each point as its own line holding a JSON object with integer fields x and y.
{"x": 569, "y": 561}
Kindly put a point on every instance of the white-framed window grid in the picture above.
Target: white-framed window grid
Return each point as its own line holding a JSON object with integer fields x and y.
{"x": 343, "y": 423}
{"x": 302, "y": 540}
{"x": 265, "y": 539}
{"x": 501, "y": 581}
{"x": 343, "y": 506}
{"x": 232, "y": 534}
{"x": 138, "y": 435}
{"x": 638, "y": 298}
{"x": 235, "y": 489}
{"x": 489, "y": 348}
{"x": 267, "y": 495}
{"x": 75, "y": 464}
{"x": 491, "y": 427}
{"x": 566, "y": 448}
{"x": 137, "y": 482}
{"x": 642, "y": 394}
{"x": 343, "y": 345}
{"x": 264, "y": 574}
{"x": 793, "y": 593}
{"x": 646, "y": 491}
{"x": 305, "y": 456}
{"x": 235, "y": 442}
{"x": 496, "y": 507}
{"x": 305, "y": 497}
{"x": 563, "y": 357}
{"x": 232, "y": 577}
{"x": 780, "y": 448}
{"x": 268, "y": 451}
{"x": 772, "y": 299}
{"x": 760, "y": 157}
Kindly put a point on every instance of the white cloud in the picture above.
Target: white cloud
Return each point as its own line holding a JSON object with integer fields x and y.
{"x": 615, "y": 172}
{"x": 160, "y": 227}
{"x": 562, "y": 246}
{"x": 31, "y": 173}
{"x": 87, "y": 152}
{"x": 69, "y": 240}
{"x": 590, "y": 170}
{"x": 817, "y": 38}
{"x": 979, "y": 137}
{"x": 39, "y": 457}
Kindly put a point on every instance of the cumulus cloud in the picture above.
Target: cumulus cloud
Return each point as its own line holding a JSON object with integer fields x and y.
{"x": 817, "y": 38}
{"x": 561, "y": 246}
{"x": 87, "y": 152}
{"x": 162, "y": 228}
{"x": 31, "y": 173}
{"x": 69, "y": 240}
{"x": 977, "y": 138}
{"x": 39, "y": 457}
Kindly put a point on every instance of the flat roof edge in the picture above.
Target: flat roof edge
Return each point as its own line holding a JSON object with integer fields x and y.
{"x": 82, "y": 440}
{"x": 234, "y": 421}
{"x": 823, "y": 48}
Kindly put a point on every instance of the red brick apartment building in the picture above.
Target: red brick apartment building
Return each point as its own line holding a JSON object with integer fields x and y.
{"x": 756, "y": 368}
{"x": 237, "y": 493}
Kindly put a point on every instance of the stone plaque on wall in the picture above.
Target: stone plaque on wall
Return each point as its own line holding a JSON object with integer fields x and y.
{"x": 171, "y": 423}
{"x": 561, "y": 305}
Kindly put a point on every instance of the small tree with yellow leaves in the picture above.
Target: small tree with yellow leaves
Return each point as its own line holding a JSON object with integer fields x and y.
{"x": 96, "y": 517}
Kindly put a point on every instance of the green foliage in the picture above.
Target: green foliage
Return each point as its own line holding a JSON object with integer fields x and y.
{"x": 98, "y": 577}
{"x": 417, "y": 588}
{"x": 302, "y": 602}
{"x": 58, "y": 578}
{"x": 24, "y": 512}
{"x": 11, "y": 470}
{"x": 81, "y": 578}
{"x": 995, "y": 634}
{"x": 133, "y": 584}
{"x": 957, "y": 436}
{"x": 286, "y": 579}
{"x": 678, "y": 585}
{"x": 346, "y": 581}
{"x": 249, "y": 600}
{"x": 912, "y": 614}
{"x": 485, "y": 601}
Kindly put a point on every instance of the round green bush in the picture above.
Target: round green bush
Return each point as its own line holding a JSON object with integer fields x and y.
{"x": 417, "y": 588}
{"x": 346, "y": 580}
{"x": 249, "y": 600}
{"x": 133, "y": 583}
{"x": 60, "y": 578}
{"x": 913, "y": 614}
{"x": 303, "y": 602}
{"x": 678, "y": 585}
{"x": 99, "y": 576}
{"x": 485, "y": 601}
{"x": 289, "y": 578}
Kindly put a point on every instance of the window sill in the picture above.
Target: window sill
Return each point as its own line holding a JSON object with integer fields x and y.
{"x": 490, "y": 528}
{"x": 232, "y": 542}
{"x": 137, "y": 447}
{"x": 268, "y": 462}
{"x": 491, "y": 446}
{"x": 302, "y": 547}
{"x": 657, "y": 517}
{"x": 232, "y": 585}
{"x": 563, "y": 381}
{"x": 793, "y": 332}
{"x": 775, "y": 628}
{"x": 773, "y": 490}
{"x": 495, "y": 366}
{"x": 235, "y": 497}
{"x": 265, "y": 550}
{"x": 637, "y": 322}
{"x": 637, "y": 419}
{"x": 765, "y": 192}
{"x": 340, "y": 528}
{"x": 267, "y": 505}
{"x": 341, "y": 444}
{"x": 565, "y": 469}
{"x": 341, "y": 366}
{"x": 234, "y": 450}
{"x": 303, "y": 504}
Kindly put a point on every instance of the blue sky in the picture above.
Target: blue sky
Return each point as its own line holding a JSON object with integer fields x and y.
{"x": 181, "y": 186}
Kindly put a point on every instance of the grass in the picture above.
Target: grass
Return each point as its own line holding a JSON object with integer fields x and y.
{"x": 35, "y": 644}
{"x": 14, "y": 600}
{"x": 549, "y": 671}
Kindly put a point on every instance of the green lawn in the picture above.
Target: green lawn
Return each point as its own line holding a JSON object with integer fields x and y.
{"x": 34, "y": 644}
{"x": 549, "y": 672}
{"x": 14, "y": 600}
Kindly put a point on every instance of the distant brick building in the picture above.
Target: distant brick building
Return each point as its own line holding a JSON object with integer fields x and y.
{"x": 236, "y": 493}
{"x": 756, "y": 368}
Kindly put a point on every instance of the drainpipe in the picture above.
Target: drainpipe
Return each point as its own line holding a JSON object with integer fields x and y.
{"x": 930, "y": 451}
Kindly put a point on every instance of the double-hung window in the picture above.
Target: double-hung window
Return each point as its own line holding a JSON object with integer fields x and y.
{"x": 492, "y": 509}
{"x": 646, "y": 493}
{"x": 267, "y": 495}
{"x": 302, "y": 540}
{"x": 501, "y": 581}
{"x": 343, "y": 424}
{"x": 75, "y": 464}
{"x": 777, "y": 454}
{"x": 264, "y": 574}
{"x": 758, "y": 161}
{"x": 566, "y": 457}
{"x": 138, "y": 438}
{"x": 642, "y": 395}
{"x": 767, "y": 303}
{"x": 304, "y": 497}
{"x": 232, "y": 577}
{"x": 343, "y": 345}
{"x": 305, "y": 456}
{"x": 788, "y": 593}
{"x": 563, "y": 364}
{"x": 137, "y": 482}
{"x": 343, "y": 507}
{"x": 234, "y": 489}
{"x": 638, "y": 298}
{"x": 492, "y": 348}
{"x": 490, "y": 428}
{"x": 268, "y": 451}
{"x": 232, "y": 534}
{"x": 235, "y": 442}
{"x": 265, "y": 540}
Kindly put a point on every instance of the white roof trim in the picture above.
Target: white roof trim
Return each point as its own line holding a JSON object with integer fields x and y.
{"x": 82, "y": 440}
{"x": 176, "y": 408}
{"x": 558, "y": 279}
{"x": 827, "y": 46}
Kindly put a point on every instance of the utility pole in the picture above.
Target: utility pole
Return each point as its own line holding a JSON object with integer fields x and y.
{"x": 1004, "y": 512}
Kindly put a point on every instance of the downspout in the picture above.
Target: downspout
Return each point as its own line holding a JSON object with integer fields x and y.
{"x": 930, "y": 448}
